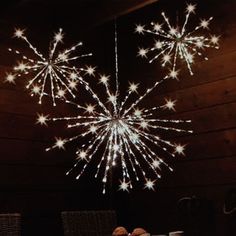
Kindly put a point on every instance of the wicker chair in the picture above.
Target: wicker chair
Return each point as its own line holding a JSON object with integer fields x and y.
{"x": 88, "y": 223}
{"x": 10, "y": 224}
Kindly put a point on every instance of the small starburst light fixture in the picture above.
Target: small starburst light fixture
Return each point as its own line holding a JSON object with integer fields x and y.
{"x": 53, "y": 75}
{"x": 173, "y": 44}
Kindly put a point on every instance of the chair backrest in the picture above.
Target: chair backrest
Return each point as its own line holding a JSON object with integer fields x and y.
{"x": 10, "y": 224}
{"x": 88, "y": 223}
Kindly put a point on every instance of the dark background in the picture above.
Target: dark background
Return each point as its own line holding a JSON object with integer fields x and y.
{"x": 33, "y": 182}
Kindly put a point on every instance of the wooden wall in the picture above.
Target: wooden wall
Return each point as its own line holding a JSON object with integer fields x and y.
{"x": 208, "y": 170}
{"x": 33, "y": 182}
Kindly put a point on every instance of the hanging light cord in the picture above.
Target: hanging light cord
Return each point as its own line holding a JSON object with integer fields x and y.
{"x": 116, "y": 60}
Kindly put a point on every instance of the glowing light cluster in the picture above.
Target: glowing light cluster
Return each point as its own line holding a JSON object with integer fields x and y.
{"x": 173, "y": 43}
{"x": 53, "y": 75}
{"x": 114, "y": 131}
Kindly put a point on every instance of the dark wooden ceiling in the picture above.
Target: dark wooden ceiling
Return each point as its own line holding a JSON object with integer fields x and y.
{"x": 80, "y": 14}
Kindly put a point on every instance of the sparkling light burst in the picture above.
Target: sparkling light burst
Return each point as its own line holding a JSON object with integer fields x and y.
{"x": 53, "y": 75}
{"x": 173, "y": 43}
{"x": 116, "y": 132}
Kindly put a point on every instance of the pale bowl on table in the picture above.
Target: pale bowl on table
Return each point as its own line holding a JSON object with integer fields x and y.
{"x": 176, "y": 233}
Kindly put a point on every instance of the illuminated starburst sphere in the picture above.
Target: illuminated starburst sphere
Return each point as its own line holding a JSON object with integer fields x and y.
{"x": 173, "y": 43}
{"x": 53, "y": 75}
{"x": 116, "y": 132}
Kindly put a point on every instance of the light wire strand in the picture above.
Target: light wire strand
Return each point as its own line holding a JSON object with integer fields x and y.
{"x": 116, "y": 60}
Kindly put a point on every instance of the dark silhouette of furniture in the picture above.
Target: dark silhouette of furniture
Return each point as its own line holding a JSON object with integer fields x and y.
{"x": 88, "y": 223}
{"x": 10, "y": 224}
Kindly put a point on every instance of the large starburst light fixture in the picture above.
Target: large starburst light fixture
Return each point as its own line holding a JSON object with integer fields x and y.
{"x": 117, "y": 132}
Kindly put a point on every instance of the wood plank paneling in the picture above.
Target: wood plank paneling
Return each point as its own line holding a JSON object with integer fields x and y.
{"x": 211, "y": 119}
{"x": 205, "y": 95}
{"x": 219, "y": 67}
{"x": 203, "y": 172}
{"x": 34, "y": 152}
{"x": 30, "y": 175}
{"x": 18, "y": 101}
{"x": 217, "y": 144}
{"x": 24, "y": 127}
